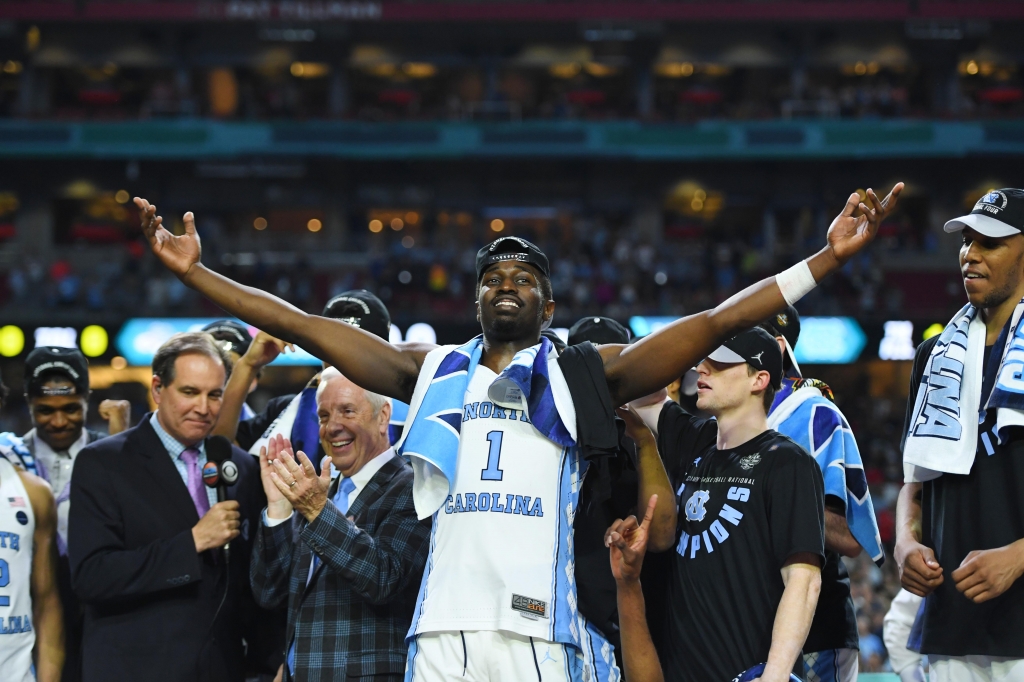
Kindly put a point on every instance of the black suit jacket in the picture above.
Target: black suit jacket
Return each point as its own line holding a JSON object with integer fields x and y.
{"x": 153, "y": 606}
{"x": 352, "y": 617}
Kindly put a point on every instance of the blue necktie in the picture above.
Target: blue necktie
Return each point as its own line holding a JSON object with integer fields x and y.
{"x": 340, "y": 500}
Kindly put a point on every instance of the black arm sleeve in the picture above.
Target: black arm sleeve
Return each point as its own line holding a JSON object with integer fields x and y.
{"x": 250, "y": 430}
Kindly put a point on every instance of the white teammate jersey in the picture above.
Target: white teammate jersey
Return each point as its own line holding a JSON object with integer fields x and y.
{"x": 501, "y": 546}
{"x": 17, "y": 526}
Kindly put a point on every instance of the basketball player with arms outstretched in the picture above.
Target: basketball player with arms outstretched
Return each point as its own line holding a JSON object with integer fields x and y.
{"x": 494, "y": 433}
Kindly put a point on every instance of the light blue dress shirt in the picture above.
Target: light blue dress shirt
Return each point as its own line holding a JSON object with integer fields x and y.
{"x": 174, "y": 449}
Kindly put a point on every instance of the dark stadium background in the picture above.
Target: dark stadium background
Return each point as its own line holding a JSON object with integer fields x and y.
{"x": 664, "y": 154}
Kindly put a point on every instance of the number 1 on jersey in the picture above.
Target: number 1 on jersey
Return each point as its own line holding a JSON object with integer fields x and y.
{"x": 492, "y": 472}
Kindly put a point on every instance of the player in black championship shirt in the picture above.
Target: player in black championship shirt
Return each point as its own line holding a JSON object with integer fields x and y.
{"x": 960, "y": 516}
{"x": 747, "y": 567}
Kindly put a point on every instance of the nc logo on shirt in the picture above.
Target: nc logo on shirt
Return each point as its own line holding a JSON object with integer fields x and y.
{"x": 695, "y": 505}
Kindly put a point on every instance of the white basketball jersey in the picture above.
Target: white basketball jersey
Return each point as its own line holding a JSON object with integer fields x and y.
{"x": 17, "y": 525}
{"x": 501, "y": 546}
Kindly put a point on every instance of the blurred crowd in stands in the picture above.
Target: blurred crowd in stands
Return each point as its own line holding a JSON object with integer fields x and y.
{"x": 604, "y": 266}
{"x": 112, "y": 93}
{"x": 687, "y": 74}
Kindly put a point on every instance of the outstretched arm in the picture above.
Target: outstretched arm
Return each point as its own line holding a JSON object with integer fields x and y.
{"x": 655, "y": 361}
{"x": 364, "y": 358}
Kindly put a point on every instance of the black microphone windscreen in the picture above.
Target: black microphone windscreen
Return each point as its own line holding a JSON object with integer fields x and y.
{"x": 218, "y": 449}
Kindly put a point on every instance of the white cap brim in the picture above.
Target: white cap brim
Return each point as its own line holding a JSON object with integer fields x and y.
{"x": 983, "y": 224}
{"x": 726, "y": 356}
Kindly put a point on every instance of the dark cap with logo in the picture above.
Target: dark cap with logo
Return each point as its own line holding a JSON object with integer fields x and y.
{"x": 599, "y": 330}
{"x": 757, "y": 348}
{"x": 50, "y": 362}
{"x": 787, "y": 325}
{"x": 1000, "y": 213}
{"x": 360, "y": 309}
{"x": 232, "y": 336}
{"x": 510, "y": 248}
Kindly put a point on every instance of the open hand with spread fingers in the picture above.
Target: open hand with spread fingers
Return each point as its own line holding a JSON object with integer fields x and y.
{"x": 178, "y": 253}
{"x": 858, "y": 222}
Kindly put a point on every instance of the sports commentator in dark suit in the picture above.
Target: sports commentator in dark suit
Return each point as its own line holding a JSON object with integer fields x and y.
{"x": 347, "y": 556}
{"x": 163, "y": 601}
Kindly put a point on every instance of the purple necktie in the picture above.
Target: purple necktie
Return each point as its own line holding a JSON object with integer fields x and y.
{"x": 196, "y": 487}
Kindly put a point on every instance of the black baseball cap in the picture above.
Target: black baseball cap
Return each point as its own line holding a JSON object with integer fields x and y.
{"x": 230, "y": 335}
{"x": 599, "y": 330}
{"x": 757, "y": 348}
{"x": 360, "y": 309}
{"x": 511, "y": 248}
{"x": 1000, "y": 213}
{"x": 46, "y": 361}
{"x": 787, "y": 325}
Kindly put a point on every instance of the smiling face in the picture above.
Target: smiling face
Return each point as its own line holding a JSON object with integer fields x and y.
{"x": 722, "y": 387}
{"x": 991, "y": 267}
{"x": 512, "y": 304}
{"x": 188, "y": 406}
{"x": 350, "y": 432}
{"x": 58, "y": 419}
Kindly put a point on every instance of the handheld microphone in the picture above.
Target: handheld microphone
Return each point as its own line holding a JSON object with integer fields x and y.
{"x": 219, "y": 471}
{"x": 211, "y": 475}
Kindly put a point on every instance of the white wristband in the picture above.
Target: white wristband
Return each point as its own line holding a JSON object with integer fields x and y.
{"x": 796, "y": 282}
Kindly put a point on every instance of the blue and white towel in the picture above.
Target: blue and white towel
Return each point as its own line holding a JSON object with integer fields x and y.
{"x": 532, "y": 382}
{"x": 817, "y": 425}
{"x": 943, "y": 432}
{"x": 298, "y": 422}
{"x": 16, "y": 452}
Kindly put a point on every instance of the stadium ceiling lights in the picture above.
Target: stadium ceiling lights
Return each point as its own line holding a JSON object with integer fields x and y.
{"x": 12, "y": 341}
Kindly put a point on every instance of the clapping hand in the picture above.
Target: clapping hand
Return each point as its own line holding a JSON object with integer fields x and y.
{"x": 295, "y": 479}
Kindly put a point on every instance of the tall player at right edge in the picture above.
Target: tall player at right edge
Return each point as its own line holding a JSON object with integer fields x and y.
{"x": 500, "y": 440}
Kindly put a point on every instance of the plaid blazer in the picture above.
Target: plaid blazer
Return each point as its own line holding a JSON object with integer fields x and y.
{"x": 352, "y": 617}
